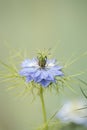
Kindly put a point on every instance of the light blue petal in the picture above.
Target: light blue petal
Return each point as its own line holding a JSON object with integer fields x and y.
{"x": 57, "y": 67}
{"x": 24, "y": 72}
{"x": 29, "y": 79}
{"x": 44, "y": 74}
{"x": 34, "y": 60}
{"x": 37, "y": 79}
{"x": 32, "y": 70}
{"x": 45, "y": 83}
{"x": 56, "y": 73}
{"x": 37, "y": 73}
{"x": 27, "y": 71}
{"x": 53, "y": 61}
{"x": 50, "y": 77}
{"x": 37, "y": 76}
{"x": 26, "y": 63}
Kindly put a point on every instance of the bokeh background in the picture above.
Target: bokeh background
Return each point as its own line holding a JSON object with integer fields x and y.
{"x": 37, "y": 24}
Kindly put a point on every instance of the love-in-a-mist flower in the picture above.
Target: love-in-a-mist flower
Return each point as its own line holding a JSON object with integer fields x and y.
{"x": 73, "y": 111}
{"x": 41, "y": 70}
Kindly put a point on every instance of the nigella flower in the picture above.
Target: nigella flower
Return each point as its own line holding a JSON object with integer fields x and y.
{"x": 41, "y": 70}
{"x": 73, "y": 111}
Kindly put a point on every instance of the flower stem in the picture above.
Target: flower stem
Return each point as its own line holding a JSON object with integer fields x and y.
{"x": 43, "y": 109}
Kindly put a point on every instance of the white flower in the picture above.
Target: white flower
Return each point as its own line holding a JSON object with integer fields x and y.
{"x": 74, "y": 112}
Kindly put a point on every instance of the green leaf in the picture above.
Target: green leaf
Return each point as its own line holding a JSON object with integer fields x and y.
{"x": 83, "y": 93}
{"x": 82, "y": 81}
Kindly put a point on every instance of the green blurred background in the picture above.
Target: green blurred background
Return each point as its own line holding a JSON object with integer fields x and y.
{"x": 37, "y": 24}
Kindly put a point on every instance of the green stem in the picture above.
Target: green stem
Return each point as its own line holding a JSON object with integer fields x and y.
{"x": 43, "y": 109}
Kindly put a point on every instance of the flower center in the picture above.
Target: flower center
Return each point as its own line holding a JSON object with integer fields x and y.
{"x": 42, "y": 61}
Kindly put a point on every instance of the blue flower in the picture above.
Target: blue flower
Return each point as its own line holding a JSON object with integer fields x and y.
{"x": 40, "y": 70}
